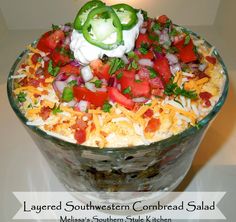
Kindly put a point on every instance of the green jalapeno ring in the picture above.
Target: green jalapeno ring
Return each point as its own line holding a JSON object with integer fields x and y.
{"x": 107, "y": 11}
{"x": 79, "y": 20}
{"x": 133, "y": 18}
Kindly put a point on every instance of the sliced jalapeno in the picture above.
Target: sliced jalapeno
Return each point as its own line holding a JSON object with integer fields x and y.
{"x": 84, "y": 11}
{"x": 103, "y": 28}
{"x": 127, "y": 15}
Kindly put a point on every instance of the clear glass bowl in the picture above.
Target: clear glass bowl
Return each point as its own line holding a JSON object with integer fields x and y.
{"x": 160, "y": 166}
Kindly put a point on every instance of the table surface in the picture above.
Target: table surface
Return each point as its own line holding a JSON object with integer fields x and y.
{"x": 23, "y": 168}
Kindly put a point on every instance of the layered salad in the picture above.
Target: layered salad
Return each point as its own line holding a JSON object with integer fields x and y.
{"x": 117, "y": 78}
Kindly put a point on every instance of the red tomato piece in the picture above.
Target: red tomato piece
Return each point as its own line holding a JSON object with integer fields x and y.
{"x": 35, "y": 58}
{"x": 186, "y": 52}
{"x": 149, "y": 113}
{"x": 153, "y": 125}
{"x": 100, "y": 70}
{"x": 80, "y": 136}
{"x": 96, "y": 98}
{"x": 140, "y": 89}
{"x": 116, "y": 96}
{"x": 60, "y": 59}
{"x": 156, "y": 83}
{"x": 211, "y": 59}
{"x": 42, "y": 42}
{"x": 143, "y": 39}
{"x": 158, "y": 92}
{"x": 163, "y": 19}
{"x": 70, "y": 69}
{"x": 148, "y": 55}
{"x": 161, "y": 66}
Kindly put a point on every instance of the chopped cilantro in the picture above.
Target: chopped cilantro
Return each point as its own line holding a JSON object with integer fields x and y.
{"x": 133, "y": 65}
{"x": 153, "y": 73}
{"x": 156, "y": 26}
{"x": 168, "y": 23}
{"x": 144, "y": 48}
{"x": 148, "y": 104}
{"x": 56, "y": 109}
{"x": 132, "y": 55}
{"x": 119, "y": 76}
{"x": 187, "y": 40}
{"x": 127, "y": 90}
{"x": 67, "y": 94}
{"x": 53, "y": 70}
{"x": 55, "y": 27}
{"x": 174, "y": 32}
{"x": 40, "y": 59}
{"x": 98, "y": 83}
{"x": 138, "y": 80}
{"x": 116, "y": 64}
{"x": 72, "y": 83}
{"x": 21, "y": 97}
{"x": 172, "y": 50}
{"x": 145, "y": 15}
{"x": 158, "y": 48}
{"x": 30, "y": 106}
{"x": 154, "y": 37}
{"x": 106, "y": 107}
{"x": 173, "y": 89}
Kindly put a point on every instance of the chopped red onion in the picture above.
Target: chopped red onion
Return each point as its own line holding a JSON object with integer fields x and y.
{"x": 172, "y": 58}
{"x": 46, "y": 58}
{"x": 80, "y": 80}
{"x": 39, "y": 71}
{"x": 140, "y": 99}
{"x": 82, "y": 105}
{"x": 103, "y": 89}
{"x": 71, "y": 77}
{"x": 164, "y": 37}
{"x": 62, "y": 77}
{"x": 111, "y": 81}
{"x": 175, "y": 68}
{"x": 90, "y": 86}
{"x": 143, "y": 30}
{"x": 202, "y": 67}
{"x": 137, "y": 77}
{"x": 145, "y": 62}
{"x": 67, "y": 40}
{"x": 59, "y": 86}
{"x": 118, "y": 86}
{"x": 75, "y": 63}
{"x": 71, "y": 103}
{"x": 86, "y": 73}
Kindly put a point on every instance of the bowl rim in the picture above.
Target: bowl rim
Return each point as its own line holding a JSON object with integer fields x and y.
{"x": 162, "y": 143}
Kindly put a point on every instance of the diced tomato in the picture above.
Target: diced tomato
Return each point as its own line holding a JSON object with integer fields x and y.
{"x": 96, "y": 98}
{"x": 149, "y": 113}
{"x": 118, "y": 97}
{"x": 143, "y": 39}
{"x": 60, "y": 59}
{"x": 45, "y": 112}
{"x": 70, "y": 69}
{"x": 80, "y": 124}
{"x": 42, "y": 42}
{"x": 138, "y": 89}
{"x": 186, "y": 52}
{"x": 148, "y": 55}
{"x": 144, "y": 73}
{"x": 80, "y": 136}
{"x": 163, "y": 19}
{"x": 153, "y": 125}
{"x": 35, "y": 58}
{"x": 100, "y": 70}
{"x": 50, "y": 40}
{"x": 161, "y": 66}
{"x": 211, "y": 59}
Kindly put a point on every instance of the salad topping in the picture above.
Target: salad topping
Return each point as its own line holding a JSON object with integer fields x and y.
{"x": 117, "y": 74}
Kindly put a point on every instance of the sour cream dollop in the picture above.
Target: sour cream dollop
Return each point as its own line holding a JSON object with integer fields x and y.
{"x": 84, "y": 52}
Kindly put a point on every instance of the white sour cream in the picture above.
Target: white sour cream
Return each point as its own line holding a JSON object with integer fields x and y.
{"x": 85, "y": 52}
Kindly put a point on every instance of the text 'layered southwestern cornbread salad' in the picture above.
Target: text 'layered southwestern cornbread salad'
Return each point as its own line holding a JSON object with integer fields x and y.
{"x": 117, "y": 78}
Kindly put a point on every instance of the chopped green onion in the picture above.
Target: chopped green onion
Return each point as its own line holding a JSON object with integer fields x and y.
{"x": 53, "y": 70}
{"x": 21, "y": 97}
{"x": 98, "y": 83}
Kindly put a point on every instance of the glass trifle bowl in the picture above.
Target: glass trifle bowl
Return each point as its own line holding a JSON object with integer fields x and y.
{"x": 159, "y": 166}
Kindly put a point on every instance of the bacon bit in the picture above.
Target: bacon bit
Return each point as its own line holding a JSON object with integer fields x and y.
{"x": 201, "y": 74}
{"x": 80, "y": 136}
{"x": 33, "y": 82}
{"x": 205, "y": 96}
{"x": 158, "y": 92}
{"x": 31, "y": 70}
{"x": 66, "y": 121}
{"x": 149, "y": 113}
{"x": 160, "y": 110}
{"x": 36, "y": 95}
{"x": 136, "y": 107}
{"x": 93, "y": 127}
{"x": 23, "y": 66}
{"x": 153, "y": 125}
{"x": 45, "y": 92}
{"x": 35, "y": 58}
{"x": 80, "y": 124}
{"x": 103, "y": 133}
{"x": 211, "y": 59}
{"x": 45, "y": 112}
{"x": 24, "y": 82}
